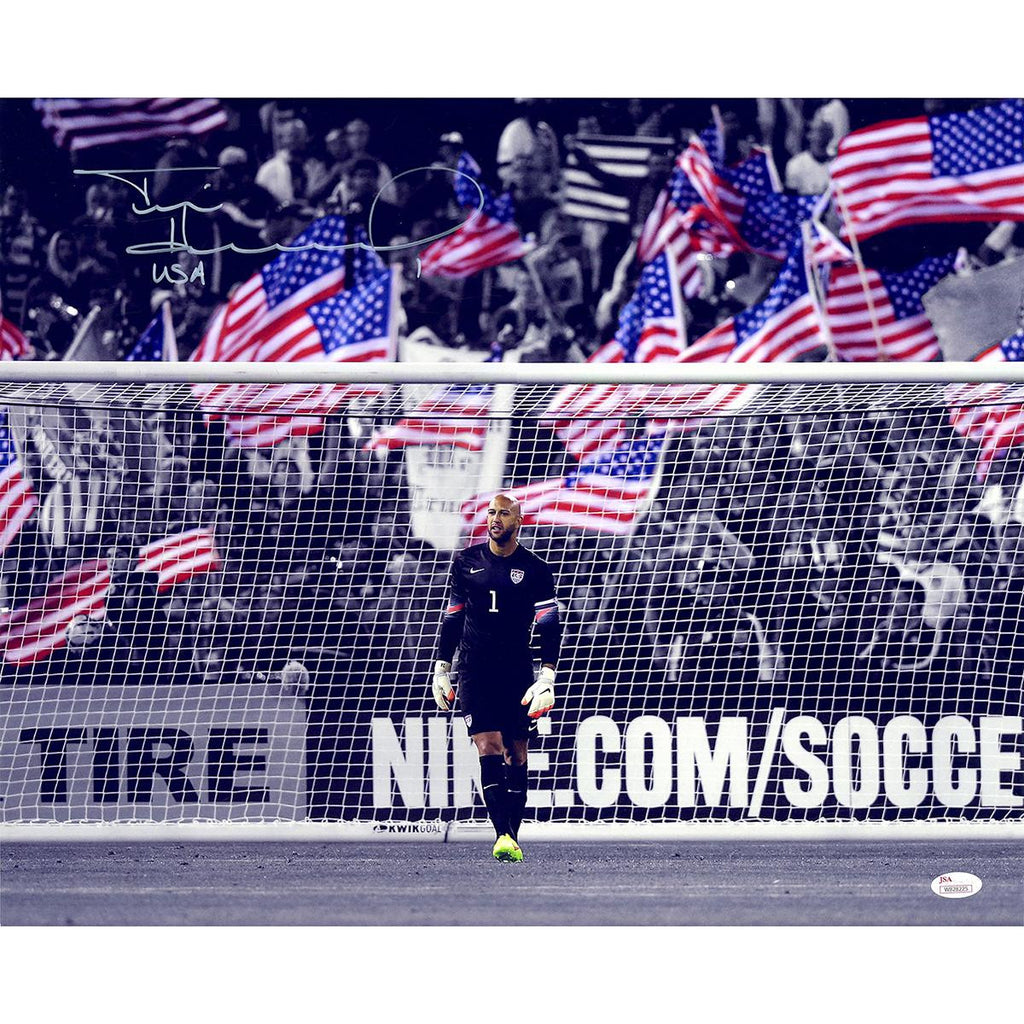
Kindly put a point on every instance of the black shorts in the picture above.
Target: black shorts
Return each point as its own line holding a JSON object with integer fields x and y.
{"x": 490, "y": 700}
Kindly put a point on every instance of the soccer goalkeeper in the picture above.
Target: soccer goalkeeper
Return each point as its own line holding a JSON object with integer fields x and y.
{"x": 499, "y": 591}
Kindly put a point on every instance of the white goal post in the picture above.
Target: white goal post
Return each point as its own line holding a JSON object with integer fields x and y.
{"x": 791, "y": 594}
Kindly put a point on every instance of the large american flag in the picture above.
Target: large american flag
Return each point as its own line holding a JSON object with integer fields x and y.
{"x": 13, "y": 344}
{"x": 901, "y": 330}
{"x": 299, "y": 308}
{"x": 17, "y": 499}
{"x": 78, "y": 124}
{"x": 997, "y": 425}
{"x": 605, "y": 494}
{"x": 38, "y": 628}
{"x": 180, "y": 556}
{"x": 963, "y": 166}
{"x": 488, "y": 237}
{"x": 453, "y": 414}
{"x": 623, "y": 157}
{"x": 652, "y": 329}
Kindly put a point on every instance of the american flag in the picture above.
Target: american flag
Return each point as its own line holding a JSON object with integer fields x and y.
{"x": 180, "y": 556}
{"x": 78, "y": 124}
{"x": 652, "y": 329}
{"x": 13, "y": 344}
{"x": 770, "y": 222}
{"x": 605, "y": 494}
{"x": 17, "y": 499}
{"x": 157, "y": 342}
{"x": 709, "y": 210}
{"x": 780, "y": 328}
{"x": 963, "y": 166}
{"x": 736, "y": 210}
{"x": 454, "y": 415}
{"x": 38, "y": 628}
{"x": 299, "y": 309}
{"x": 904, "y": 331}
{"x": 623, "y": 157}
{"x": 997, "y": 425}
{"x": 685, "y": 407}
{"x": 487, "y": 238}
{"x": 668, "y": 229}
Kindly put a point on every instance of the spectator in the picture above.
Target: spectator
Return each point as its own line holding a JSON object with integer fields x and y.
{"x": 22, "y": 248}
{"x": 273, "y": 116}
{"x": 241, "y": 221}
{"x": 357, "y": 141}
{"x": 528, "y": 159}
{"x": 364, "y": 204}
{"x": 58, "y": 298}
{"x": 563, "y": 270}
{"x": 807, "y": 173}
{"x": 835, "y": 114}
{"x": 291, "y": 175}
{"x": 338, "y": 154}
{"x": 174, "y": 182}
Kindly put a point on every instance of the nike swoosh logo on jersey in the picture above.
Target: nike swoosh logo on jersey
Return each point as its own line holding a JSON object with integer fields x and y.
{"x": 471, "y": 571}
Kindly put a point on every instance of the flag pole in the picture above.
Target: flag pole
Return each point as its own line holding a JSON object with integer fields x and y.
{"x": 394, "y": 309}
{"x": 862, "y": 272}
{"x": 818, "y": 300}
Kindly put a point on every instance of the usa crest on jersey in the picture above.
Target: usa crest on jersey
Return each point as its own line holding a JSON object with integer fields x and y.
{"x": 517, "y": 575}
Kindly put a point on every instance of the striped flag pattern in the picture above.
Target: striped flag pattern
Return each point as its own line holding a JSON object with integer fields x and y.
{"x": 179, "y": 557}
{"x": 17, "y": 499}
{"x": 997, "y": 425}
{"x": 722, "y": 201}
{"x": 13, "y": 344}
{"x": 587, "y": 416}
{"x": 962, "y": 166}
{"x": 652, "y": 329}
{"x": 79, "y": 124}
{"x": 668, "y": 229}
{"x": 708, "y": 210}
{"x": 780, "y": 328}
{"x": 298, "y": 308}
{"x": 684, "y": 407}
{"x": 901, "y": 329}
{"x": 605, "y": 494}
{"x": 38, "y": 628}
{"x": 454, "y": 415}
{"x": 488, "y": 237}
{"x": 620, "y": 156}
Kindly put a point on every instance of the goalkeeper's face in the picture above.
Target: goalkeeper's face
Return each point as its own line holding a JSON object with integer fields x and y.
{"x": 504, "y": 518}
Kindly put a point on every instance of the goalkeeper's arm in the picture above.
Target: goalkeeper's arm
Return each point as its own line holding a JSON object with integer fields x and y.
{"x": 540, "y": 698}
{"x": 451, "y": 633}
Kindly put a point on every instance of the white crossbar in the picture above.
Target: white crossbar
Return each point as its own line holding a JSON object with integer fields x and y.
{"x": 42, "y": 371}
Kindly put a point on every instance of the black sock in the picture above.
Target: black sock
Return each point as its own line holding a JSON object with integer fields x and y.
{"x": 515, "y": 788}
{"x": 492, "y": 779}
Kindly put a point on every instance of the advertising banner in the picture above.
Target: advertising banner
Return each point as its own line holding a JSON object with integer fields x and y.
{"x": 161, "y": 753}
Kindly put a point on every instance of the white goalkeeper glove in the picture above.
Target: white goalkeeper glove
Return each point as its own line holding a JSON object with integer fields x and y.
{"x": 444, "y": 692}
{"x": 541, "y": 696}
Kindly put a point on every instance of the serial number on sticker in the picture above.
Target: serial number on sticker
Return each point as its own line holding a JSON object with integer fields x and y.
{"x": 956, "y": 888}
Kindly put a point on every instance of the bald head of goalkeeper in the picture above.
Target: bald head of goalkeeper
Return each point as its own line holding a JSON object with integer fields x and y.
{"x": 504, "y": 520}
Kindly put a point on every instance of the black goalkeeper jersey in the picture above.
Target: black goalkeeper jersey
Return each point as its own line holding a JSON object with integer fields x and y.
{"x": 495, "y": 603}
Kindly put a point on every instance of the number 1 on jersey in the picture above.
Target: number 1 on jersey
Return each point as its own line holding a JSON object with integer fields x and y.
{"x": 494, "y": 601}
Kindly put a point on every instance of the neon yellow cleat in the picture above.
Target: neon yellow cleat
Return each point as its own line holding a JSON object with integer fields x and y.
{"x": 506, "y": 849}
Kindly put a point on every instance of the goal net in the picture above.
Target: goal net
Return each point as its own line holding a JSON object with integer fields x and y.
{"x": 783, "y": 600}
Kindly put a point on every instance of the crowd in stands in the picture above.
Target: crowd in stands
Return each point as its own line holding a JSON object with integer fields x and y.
{"x": 779, "y": 550}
